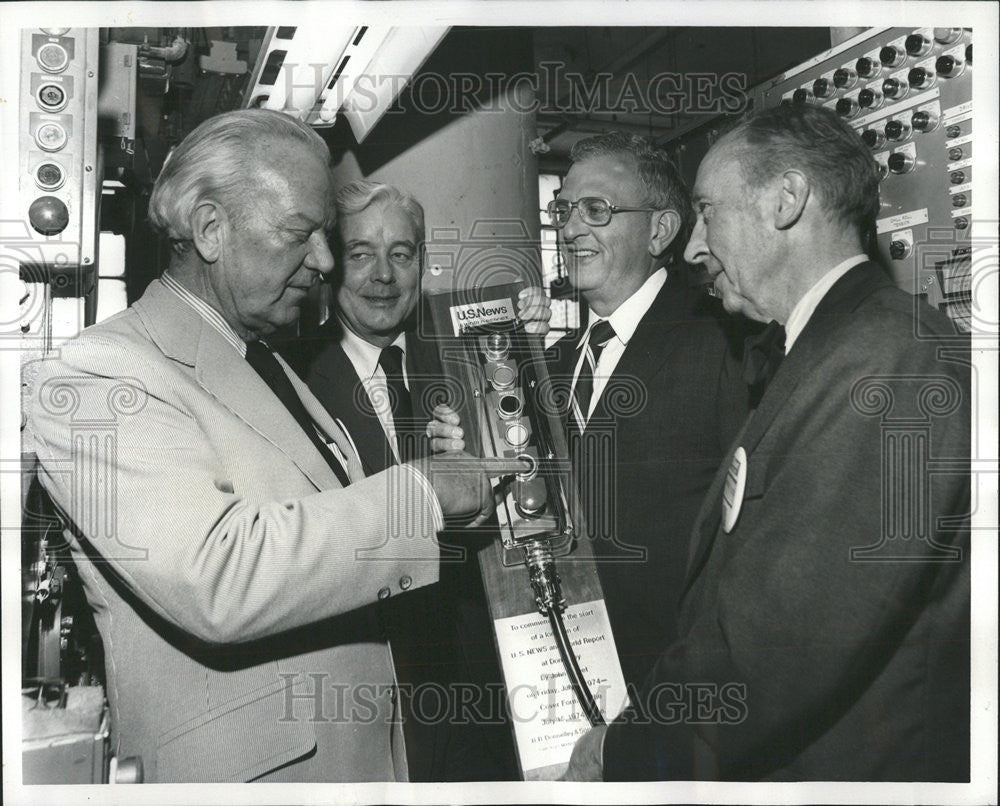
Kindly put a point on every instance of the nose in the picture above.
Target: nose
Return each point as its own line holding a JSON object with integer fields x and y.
{"x": 574, "y": 225}
{"x": 320, "y": 258}
{"x": 696, "y": 250}
{"x": 382, "y": 270}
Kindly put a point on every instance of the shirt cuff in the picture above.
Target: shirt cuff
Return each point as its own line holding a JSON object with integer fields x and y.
{"x": 436, "y": 514}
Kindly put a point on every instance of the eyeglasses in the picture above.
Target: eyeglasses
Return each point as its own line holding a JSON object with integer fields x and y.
{"x": 594, "y": 211}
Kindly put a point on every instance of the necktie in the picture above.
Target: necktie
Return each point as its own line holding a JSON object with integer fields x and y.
{"x": 600, "y": 334}
{"x": 763, "y": 353}
{"x": 260, "y": 357}
{"x": 400, "y": 404}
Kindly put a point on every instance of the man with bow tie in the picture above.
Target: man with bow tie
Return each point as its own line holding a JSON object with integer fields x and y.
{"x": 653, "y": 389}
{"x": 228, "y": 539}
{"x": 825, "y": 615}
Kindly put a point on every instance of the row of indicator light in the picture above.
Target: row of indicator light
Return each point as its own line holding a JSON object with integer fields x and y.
{"x": 916, "y": 45}
{"x": 48, "y": 214}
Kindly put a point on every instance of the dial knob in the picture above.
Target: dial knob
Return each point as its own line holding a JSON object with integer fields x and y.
{"x": 956, "y": 177}
{"x": 895, "y": 88}
{"x": 917, "y": 44}
{"x": 955, "y": 153}
{"x": 900, "y": 163}
{"x": 847, "y": 107}
{"x": 867, "y": 67}
{"x": 822, "y": 88}
{"x": 947, "y": 35}
{"x": 844, "y": 78}
{"x": 920, "y": 78}
{"x": 870, "y": 98}
{"x": 924, "y": 121}
{"x": 958, "y": 200}
{"x": 802, "y": 96}
{"x": 892, "y": 56}
{"x": 949, "y": 66}
{"x": 961, "y": 222}
{"x": 873, "y": 138}
{"x": 954, "y": 130}
{"x": 899, "y": 249}
{"x": 897, "y": 130}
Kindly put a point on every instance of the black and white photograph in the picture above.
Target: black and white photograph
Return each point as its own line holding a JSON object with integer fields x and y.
{"x": 499, "y": 402}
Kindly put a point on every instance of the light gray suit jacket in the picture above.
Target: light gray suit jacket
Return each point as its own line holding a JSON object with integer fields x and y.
{"x": 227, "y": 568}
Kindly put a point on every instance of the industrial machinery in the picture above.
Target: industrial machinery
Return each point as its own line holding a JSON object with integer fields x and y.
{"x": 908, "y": 93}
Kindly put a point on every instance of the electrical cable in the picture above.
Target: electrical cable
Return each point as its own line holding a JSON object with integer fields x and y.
{"x": 572, "y": 666}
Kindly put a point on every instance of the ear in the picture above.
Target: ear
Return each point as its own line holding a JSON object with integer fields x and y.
{"x": 791, "y": 200}
{"x": 663, "y": 228}
{"x": 209, "y": 224}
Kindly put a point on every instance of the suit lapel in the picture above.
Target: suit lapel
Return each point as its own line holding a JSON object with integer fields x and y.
{"x": 842, "y": 299}
{"x": 184, "y": 336}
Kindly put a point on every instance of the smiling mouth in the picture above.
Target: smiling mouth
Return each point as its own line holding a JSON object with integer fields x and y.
{"x": 382, "y": 300}
{"x": 581, "y": 254}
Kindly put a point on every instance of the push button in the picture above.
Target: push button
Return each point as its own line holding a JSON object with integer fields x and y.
{"x": 384, "y": 593}
{"x": 405, "y": 582}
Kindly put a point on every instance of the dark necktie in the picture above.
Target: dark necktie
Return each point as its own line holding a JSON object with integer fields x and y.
{"x": 260, "y": 357}
{"x": 600, "y": 334}
{"x": 763, "y": 353}
{"x": 400, "y": 403}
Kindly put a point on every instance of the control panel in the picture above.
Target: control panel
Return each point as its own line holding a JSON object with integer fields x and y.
{"x": 908, "y": 93}
{"x": 58, "y": 161}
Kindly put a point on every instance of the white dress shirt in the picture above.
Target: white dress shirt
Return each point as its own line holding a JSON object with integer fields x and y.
{"x": 804, "y": 308}
{"x": 364, "y": 357}
{"x": 624, "y": 319}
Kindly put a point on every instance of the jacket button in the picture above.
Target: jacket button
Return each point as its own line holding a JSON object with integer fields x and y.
{"x": 405, "y": 582}
{"x": 384, "y": 593}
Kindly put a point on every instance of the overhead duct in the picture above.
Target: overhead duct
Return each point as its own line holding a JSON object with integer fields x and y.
{"x": 315, "y": 72}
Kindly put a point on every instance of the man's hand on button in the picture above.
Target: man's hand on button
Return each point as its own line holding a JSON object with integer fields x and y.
{"x": 462, "y": 482}
{"x": 445, "y": 430}
{"x": 534, "y": 309}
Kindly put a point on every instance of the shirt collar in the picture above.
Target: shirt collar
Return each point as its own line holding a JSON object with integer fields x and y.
{"x": 206, "y": 312}
{"x": 626, "y": 317}
{"x": 803, "y": 310}
{"x": 363, "y": 354}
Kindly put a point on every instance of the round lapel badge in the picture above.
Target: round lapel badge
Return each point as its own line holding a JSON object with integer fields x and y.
{"x": 732, "y": 490}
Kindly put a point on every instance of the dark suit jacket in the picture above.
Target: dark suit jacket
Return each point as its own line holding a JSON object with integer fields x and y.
{"x": 657, "y": 436}
{"x": 441, "y": 634}
{"x": 846, "y": 655}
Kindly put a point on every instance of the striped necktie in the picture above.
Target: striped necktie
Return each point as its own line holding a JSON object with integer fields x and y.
{"x": 600, "y": 334}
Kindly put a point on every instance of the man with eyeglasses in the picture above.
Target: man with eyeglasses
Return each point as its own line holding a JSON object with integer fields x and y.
{"x": 653, "y": 388}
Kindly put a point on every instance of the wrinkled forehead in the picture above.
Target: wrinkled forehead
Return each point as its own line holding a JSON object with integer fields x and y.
{"x": 615, "y": 176}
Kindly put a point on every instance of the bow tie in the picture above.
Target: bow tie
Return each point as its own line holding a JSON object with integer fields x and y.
{"x": 763, "y": 353}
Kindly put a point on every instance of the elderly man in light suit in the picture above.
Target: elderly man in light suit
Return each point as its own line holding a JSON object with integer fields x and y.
{"x": 233, "y": 580}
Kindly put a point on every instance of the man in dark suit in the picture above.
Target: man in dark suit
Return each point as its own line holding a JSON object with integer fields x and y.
{"x": 825, "y": 618}
{"x": 656, "y": 393}
{"x": 375, "y": 375}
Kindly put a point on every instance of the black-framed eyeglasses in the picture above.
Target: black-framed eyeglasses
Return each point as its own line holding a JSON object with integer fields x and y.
{"x": 593, "y": 210}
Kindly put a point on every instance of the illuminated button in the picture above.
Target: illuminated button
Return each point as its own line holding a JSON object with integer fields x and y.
{"x": 49, "y": 176}
{"x": 894, "y": 88}
{"x": 870, "y": 98}
{"x": 900, "y": 163}
{"x": 516, "y": 435}
{"x": 844, "y": 78}
{"x": 497, "y": 346}
{"x": 961, "y": 222}
{"x": 52, "y": 57}
{"x": 899, "y": 250}
{"x": 847, "y": 108}
{"x": 897, "y": 130}
{"x": 949, "y": 66}
{"x": 956, "y": 177}
{"x": 920, "y": 78}
{"x": 892, "y": 56}
{"x": 917, "y": 45}
{"x": 51, "y": 137}
{"x": 959, "y": 200}
{"x": 867, "y": 68}
{"x": 822, "y": 88}
{"x": 48, "y": 215}
{"x": 924, "y": 121}
{"x": 801, "y": 96}
{"x": 873, "y": 138}
{"x": 503, "y": 377}
{"x": 955, "y": 153}
{"x": 509, "y": 406}
{"x": 51, "y": 97}
{"x": 530, "y": 497}
{"x": 947, "y": 35}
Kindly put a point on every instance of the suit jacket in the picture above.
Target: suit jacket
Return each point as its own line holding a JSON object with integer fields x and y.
{"x": 830, "y": 625}
{"x": 656, "y": 437}
{"x": 232, "y": 579}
